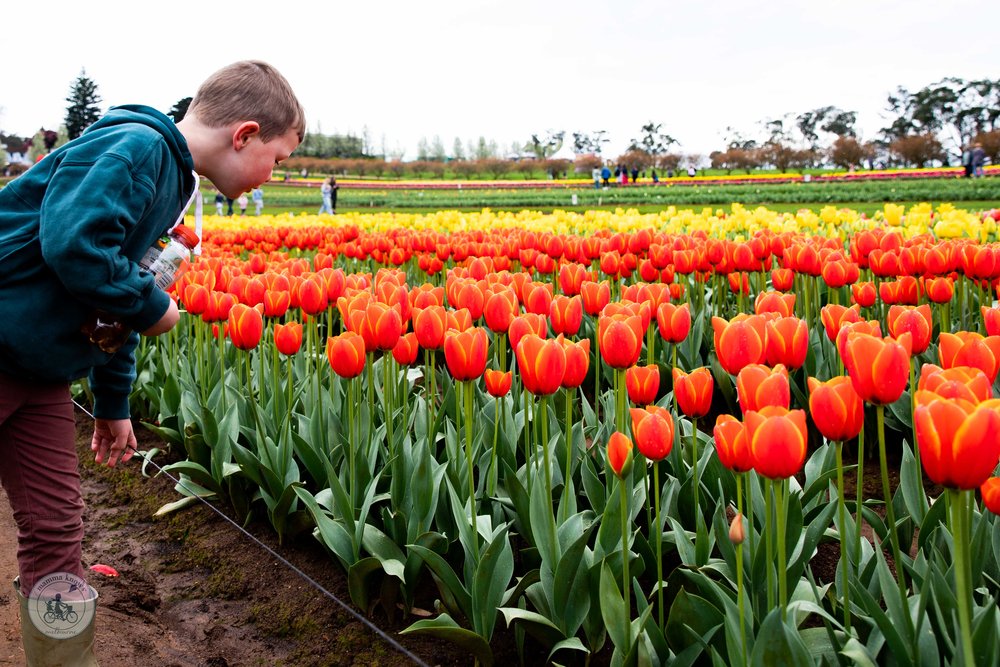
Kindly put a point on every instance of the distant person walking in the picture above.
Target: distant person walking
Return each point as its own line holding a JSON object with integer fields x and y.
{"x": 635, "y": 174}
{"x": 606, "y": 175}
{"x": 243, "y": 202}
{"x": 967, "y": 161}
{"x": 596, "y": 175}
{"x": 333, "y": 194}
{"x": 219, "y": 201}
{"x": 978, "y": 160}
{"x": 257, "y": 194}
{"x": 229, "y": 201}
{"x": 624, "y": 175}
{"x": 326, "y": 192}
{"x": 692, "y": 172}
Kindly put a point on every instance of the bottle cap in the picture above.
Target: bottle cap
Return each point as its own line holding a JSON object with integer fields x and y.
{"x": 186, "y": 235}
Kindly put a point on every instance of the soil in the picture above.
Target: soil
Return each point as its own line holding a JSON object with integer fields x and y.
{"x": 194, "y": 592}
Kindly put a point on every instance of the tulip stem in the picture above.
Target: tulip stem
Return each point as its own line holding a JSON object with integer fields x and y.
{"x": 625, "y": 553}
{"x": 890, "y": 514}
{"x": 564, "y": 504}
{"x": 769, "y": 543}
{"x": 779, "y": 490}
{"x": 528, "y": 428}
{"x": 739, "y": 570}
{"x": 694, "y": 461}
{"x": 961, "y": 530}
{"x": 467, "y": 390}
{"x": 351, "y": 391}
{"x": 658, "y": 535}
{"x": 842, "y": 519}
{"x": 492, "y": 481}
{"x": 860, "y": 492}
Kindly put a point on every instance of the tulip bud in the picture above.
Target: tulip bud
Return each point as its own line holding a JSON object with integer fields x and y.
{"x": 737, "y": 533}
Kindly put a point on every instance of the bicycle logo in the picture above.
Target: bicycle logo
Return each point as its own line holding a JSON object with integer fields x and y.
{"x": 61, "y": 605}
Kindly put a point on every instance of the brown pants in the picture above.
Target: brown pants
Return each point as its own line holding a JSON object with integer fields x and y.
{"x": 39, "y": 472}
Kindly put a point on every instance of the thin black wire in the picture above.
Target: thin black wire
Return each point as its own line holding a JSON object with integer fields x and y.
{"x": 312, "y": 582}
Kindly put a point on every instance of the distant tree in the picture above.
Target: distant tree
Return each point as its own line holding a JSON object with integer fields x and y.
{"x": 670, "y": 162}
{"x": 437, "y": 153}
{"x": 785, "y": 157}
{"x": 545, "y": 147}
{"x": 464, "y": 168}
{"x": 587, "y": 162}
{"x": 495, "y": 167}
{"x": 527, "y": 167}
{"x": 918, "y": 149}
{"x": 180, "y": 109}
{"x": 14, "y": 143}
{"x": 826, "y": 119}
{"x": 423, "y": 150}
{"x": 457, "y": 152}
{"x": 83, "y": 110}
{"x": 584, "y": 142}
{"x": 377, "y": 167}
{"x": 397, "y": 168}
{"x": 652, "y": 141}
{"x": 847, "y": 152}
{"x": 556, "y": 166}
{"x": 990, "y": 142}
{"x": 635, "y": 159}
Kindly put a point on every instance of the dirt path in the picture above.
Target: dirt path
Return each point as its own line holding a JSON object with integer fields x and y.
{"x": 193, "y": 592}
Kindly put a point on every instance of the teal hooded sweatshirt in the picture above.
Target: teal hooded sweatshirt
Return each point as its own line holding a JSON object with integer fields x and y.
{"x": 72, "y": 229}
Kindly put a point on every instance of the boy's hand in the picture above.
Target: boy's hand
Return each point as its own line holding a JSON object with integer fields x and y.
{"x": 165, "y": 323}
{"x": 113, "y": 441}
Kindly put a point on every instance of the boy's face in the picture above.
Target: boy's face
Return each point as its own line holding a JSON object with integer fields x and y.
{"x": 253, "y": 160}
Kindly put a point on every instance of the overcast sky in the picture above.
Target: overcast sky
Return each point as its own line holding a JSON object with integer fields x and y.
{"x": 505, "y": 69}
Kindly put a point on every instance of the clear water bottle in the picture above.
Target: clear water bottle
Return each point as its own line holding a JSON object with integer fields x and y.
{"x": 164, "y": 262}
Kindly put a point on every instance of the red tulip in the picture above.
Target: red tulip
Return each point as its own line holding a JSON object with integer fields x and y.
{"x": 991, "y": 317}
{"x": 879, "y": 368}
{"x": 863, "y": 294}
{"x": 566, "y": 314}
{"x": 571, "y": 278}
{"x": 642, "y": 383}
{"x": 916, "y": 320}
{"x": 782, "y": 279}
{"x": 966, "y": 348}
{"x": 406, "y": 349}
{"x": 577, "y": 362}
{"x": 939, "y": 290}
{"x": 959, "y": 441}
{"x": 758, "y": 386}
{"x": 693, "y": 391}
{"x": 465, "y": 353}
{"x": 497, "y": 382}
{"x": 537, "y": 298}
{"x": 384, "y": 324}
{"x": 965, "y": 382}
{"x": 865, "y": 327}
{"x": 619, "y": 454}
{"x": 653, "y": 430}
{"x": 620, "y": 339}
{"x": 288, "y": 338}
{"x": 542, "y": 363}
{"x": 246, "y": 326}
{"x": 787, "y": 342}
{"x": 500, "y": 309}
{"x": 471, "y": 297}
{"x": 429, "y": 324}
{"x": 674, "y": 321}
{"x": 991, "y": 494}
{"x": 276, "y": 303}
{"x": 346, "y": 354}
{"x": 777, "y": 440}
{"x": 836, "y": 408}
{"x": 311, "y": 295}
{"x": 196, "y": 299}
{"x": 524, "y": 324}
{"x": 458, "y": 320}
{"x": 739, "y": 342}
{"x": 731, "y": 444}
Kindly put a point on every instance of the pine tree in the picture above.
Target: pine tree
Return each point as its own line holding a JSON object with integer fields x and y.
{"x": 83, "y": 109}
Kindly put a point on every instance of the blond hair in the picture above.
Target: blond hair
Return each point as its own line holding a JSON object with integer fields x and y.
{"x": 250, "y": 90}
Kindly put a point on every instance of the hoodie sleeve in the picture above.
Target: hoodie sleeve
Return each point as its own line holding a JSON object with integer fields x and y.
{"x": 111, "y": 383}
{"x": 88, "y": 210}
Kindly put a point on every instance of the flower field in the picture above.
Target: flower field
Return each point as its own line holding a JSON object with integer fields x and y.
{"x": 626, "y": 436}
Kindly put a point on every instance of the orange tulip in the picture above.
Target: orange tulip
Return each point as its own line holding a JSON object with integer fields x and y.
{"x": 991, "y": 494}
{"x": 346, "y": 354}
{"x": 497, "y": 382}
{"x": 965, "y": 382}
{"x": 288, "y": 338}
{"x": 758, "y": 385}
{"x": 620, "y": 339}
{"x": 916, "y": 320}
{"x": 470, "y": 296}
{"x": 537, "y": 298}
{"x": 384, "y": 324}
{"x": 787, "y": 342}
{"x": 674, "y": 321}
{"x": 775, "y": 302}
{"x": 865, "y": 327}
{"x": 566, "y": 314}
{"x": 777, "y": 440}
{"x": 731, "y": 444}
{"x": 642, "y": 383}
{"x": 739, "y": 342}
{"x": 429, "y": 325}
{"x": 542, "y": 363}
{"x": 834, "y": 316}
{"x": 879, "y": 368}
{"x": 959, "y": 441}
{"x": 595, "y": 295}
{"x": 782, "y": 279}
{"x": 459, "y": 320}
{"x": 577, "y": 362}
{"x": 653, "y": 430}
{"x": 276, "y": 303}
{"x": 939, "y": 290}
{"x": 311, "y": 295}
{"x": 246, "y": 326}
{"x": 693, "y": 391}
{"x": 863, "y": 294}
{"x": 196, "y": 298}
{"x": 524, "y": 324}
{"x": 619, "y": 454}
{"x": 406, "y": 349}
{"x": 571, "y": 278}
{"x": 465, "y": 353}
{"x": 500, "y": 309}
{"x": 967, "y": 348}
{"x": 836, "y": 408}
{"x": 991, "y": 317}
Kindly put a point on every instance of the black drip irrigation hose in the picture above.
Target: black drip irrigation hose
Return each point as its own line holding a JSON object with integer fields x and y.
{"x": 309, "y": 580}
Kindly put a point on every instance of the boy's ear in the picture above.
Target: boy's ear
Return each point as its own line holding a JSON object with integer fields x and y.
{"x": 244, "y": 132}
